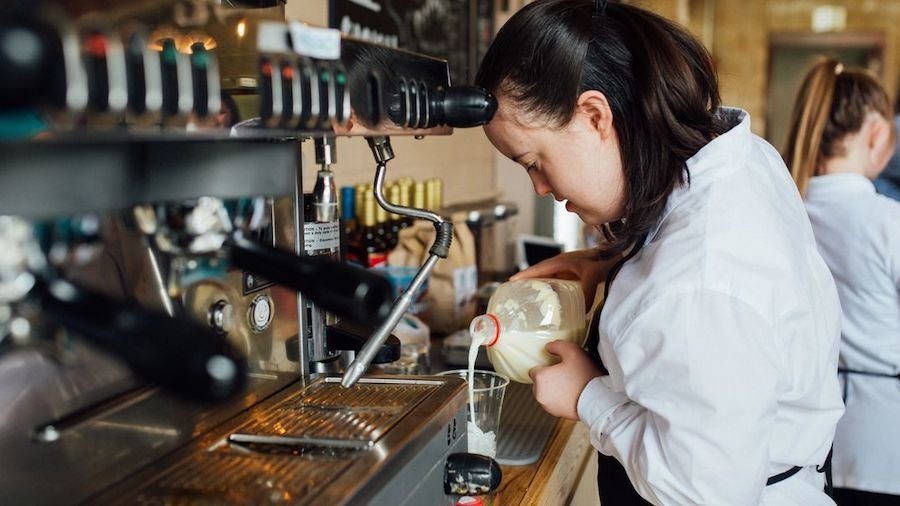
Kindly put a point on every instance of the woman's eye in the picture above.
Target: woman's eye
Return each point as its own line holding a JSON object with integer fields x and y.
{"x": 531, "y": 167}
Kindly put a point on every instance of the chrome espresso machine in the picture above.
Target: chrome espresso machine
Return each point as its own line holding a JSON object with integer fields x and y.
{"x": 173, "y": 327}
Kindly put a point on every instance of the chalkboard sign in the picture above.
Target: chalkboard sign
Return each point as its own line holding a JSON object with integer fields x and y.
{"x": 447, "y": 29}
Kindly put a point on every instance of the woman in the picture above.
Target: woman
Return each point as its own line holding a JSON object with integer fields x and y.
{"x": 719, "y": 333}
{"x": 842, "y": 136}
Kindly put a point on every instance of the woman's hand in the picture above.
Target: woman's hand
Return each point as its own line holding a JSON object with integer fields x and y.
{"x": 557, "y": 387}
{"x": 581, "y": 265}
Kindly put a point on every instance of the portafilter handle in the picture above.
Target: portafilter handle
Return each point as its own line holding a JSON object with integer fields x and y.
{"x": 344, "y": 290}
{"x": 464, "y": 106}
{"x": 178, "y": 355}
{"x": 471, "y": 474}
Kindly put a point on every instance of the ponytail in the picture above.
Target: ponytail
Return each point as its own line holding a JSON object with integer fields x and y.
{"x": 831, "y": 104}
{"x": 814, "y": 102}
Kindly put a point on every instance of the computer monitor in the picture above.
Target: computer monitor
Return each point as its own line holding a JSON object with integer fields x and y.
{"x": 531, "y": 249}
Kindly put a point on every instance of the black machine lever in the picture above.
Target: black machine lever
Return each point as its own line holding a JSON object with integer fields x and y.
{"x": 347, "y": 336}
{"x": 177, "y": 354}
{"x": 344, "y": 290}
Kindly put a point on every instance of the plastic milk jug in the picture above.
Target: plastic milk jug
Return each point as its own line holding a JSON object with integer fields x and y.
{"x": 522, "y": 317}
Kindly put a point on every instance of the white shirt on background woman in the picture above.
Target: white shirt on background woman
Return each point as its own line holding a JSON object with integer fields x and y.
{"x": 858, "y": 233}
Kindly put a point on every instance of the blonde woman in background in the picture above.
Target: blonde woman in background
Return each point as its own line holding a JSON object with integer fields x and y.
{"x": 842, "y": 135}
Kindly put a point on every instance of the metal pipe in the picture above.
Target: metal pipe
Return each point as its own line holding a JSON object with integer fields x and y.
{"x": 358, "y": 367}
{"x": 381, "y": 150}
{"x": 383, "y": 153}
{"x": 396, "y": 209}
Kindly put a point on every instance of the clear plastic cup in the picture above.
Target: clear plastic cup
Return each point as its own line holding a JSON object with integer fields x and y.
{"x": 487, "y": 397}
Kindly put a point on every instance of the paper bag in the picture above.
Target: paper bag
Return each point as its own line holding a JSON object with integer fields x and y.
{"x": 449, "y": 303}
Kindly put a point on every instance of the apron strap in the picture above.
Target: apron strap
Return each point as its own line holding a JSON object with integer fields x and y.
{"x": 824, "y": 468}
{"x": 592, "y": 343}
{"x": 841, "y": 370}
{"x": 777, "y": 478}
{"x": 848, "y": 372}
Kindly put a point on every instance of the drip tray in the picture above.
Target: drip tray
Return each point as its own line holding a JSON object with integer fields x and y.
{"x": 326, "y": 414}
{"x": 291, "y": 450}
{"x": 525, "y": 427}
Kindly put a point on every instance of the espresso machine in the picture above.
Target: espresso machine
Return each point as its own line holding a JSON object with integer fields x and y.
{"x": 157, "y": 297}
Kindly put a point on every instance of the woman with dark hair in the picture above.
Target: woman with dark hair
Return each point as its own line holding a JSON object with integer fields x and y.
{"x": 713, "y": 379}
{"x": 841, "y": 138}
{"x": 229, "y": 115}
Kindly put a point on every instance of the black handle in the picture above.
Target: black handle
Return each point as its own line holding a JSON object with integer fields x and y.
{"x": 464, "y": 106}
{"x": 177, "y": 354}
{"x": 347, "y": 291}
{"x": 23, "y": 80}
{"x": 471, "y": 474}
{"x": 347, "y": 336}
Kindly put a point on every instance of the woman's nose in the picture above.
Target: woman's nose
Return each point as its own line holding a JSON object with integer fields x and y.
{"x": 540, "y": 184}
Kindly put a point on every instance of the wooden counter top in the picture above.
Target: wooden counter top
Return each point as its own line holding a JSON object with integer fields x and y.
{"x": 553, "y": 477}
{"x": 550, "y": 480}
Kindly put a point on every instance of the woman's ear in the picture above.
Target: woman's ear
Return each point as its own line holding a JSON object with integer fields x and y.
{"x": 595, "y": 108}
{"x": 882, "y": 143}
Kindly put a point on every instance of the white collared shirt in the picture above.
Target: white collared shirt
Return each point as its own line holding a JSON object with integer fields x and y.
{"x": 721, "y": 338}
{"x": 858, "y": 233}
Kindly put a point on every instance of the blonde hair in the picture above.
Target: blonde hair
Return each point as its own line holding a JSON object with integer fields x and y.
{"x": 832, "y": 103}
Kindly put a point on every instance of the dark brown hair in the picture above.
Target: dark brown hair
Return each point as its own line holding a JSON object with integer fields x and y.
{"x": 832, "y": 103}
{"x": 657, "y": 78}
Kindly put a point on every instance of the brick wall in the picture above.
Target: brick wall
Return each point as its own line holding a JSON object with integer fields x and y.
{"x": 741, "y": 31}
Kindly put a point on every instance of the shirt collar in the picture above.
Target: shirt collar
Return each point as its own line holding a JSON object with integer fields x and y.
{"x": 839, "y": 184}
{"x": 732, "y": 144}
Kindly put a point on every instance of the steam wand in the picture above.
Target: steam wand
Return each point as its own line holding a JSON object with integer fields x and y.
{"x": 383, "y": 153}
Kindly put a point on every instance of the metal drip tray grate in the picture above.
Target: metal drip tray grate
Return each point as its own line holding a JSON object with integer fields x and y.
{"x": 227, "y": 477}
{"x": 327, "y": 414}
{"x": 286, "y": 453}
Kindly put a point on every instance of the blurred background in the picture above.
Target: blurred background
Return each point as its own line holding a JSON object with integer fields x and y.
{"x": 761, "y": 51}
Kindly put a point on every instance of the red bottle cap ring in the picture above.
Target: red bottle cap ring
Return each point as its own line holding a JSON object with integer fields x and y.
{"x": 496, "y": 329}
{"x": 469, "y": 501}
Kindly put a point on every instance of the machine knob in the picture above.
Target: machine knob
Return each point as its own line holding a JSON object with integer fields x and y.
{"x": 144, "y": 82}
{"x": 205, "y": 78}
{"x": 260, "y": 313}
{"x": 221, "y": 317}
{"x": 310, "y": 104}
{"x": 270, "y": 94}
{"x": 177, "y": 84}
{"x": 290, "y": 95}
{"x": 23, "y": 52}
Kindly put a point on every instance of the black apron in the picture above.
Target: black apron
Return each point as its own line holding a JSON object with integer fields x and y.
{"x": 613, "y": 483}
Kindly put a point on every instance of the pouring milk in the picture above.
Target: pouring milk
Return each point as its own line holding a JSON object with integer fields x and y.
{"x": 522, "y": 317}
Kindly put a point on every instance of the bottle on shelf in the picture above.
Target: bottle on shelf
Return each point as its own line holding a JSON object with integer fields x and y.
{"x": 348, "y": 219}
{"x": 395, "y": 221}
{"x": 367, "y": 247}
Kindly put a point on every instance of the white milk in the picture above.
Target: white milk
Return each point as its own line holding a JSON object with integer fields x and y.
{"x": 479, "y": 442}
{"x": 518, "y": 351}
